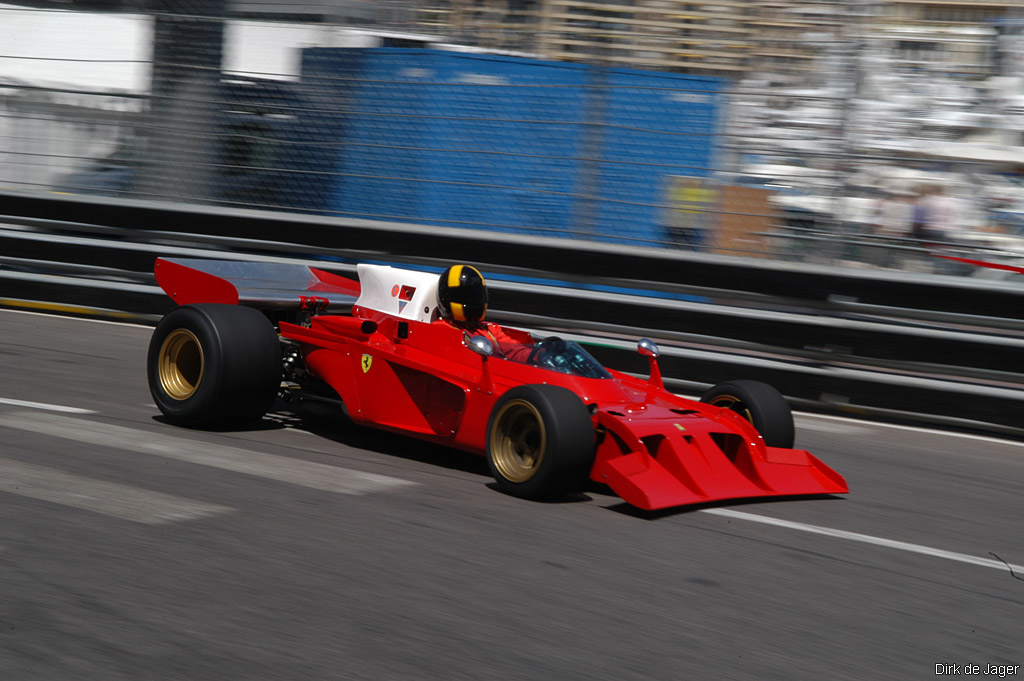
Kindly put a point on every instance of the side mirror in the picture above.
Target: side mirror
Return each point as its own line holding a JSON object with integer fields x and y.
{"x": 648, "y": 348}
{"x": 481, "y": 345}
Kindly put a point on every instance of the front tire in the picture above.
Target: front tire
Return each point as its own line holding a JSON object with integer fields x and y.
{"x": 214, "y": 365}
{"x": 759, "y": 403}
{"x": 540, "y": 442}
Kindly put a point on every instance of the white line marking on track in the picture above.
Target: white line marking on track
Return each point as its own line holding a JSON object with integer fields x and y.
{"x": 913, "y": 429}
{"x": 281, "y": 468}
{"x": 836, "y": 428}
{"x": 47, "y": 407}
{"x": 865, "y": 539}
{"x": 100, "y": 496}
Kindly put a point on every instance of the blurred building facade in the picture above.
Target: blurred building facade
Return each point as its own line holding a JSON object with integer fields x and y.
{"x": 730, "y": 38}
{"x": 962, "y": 36}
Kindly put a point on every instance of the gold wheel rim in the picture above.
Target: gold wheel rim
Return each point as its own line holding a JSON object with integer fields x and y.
{"x": 180, "y": 364}
{"x": 732, "y": 403}
{"x": 518, "y": 440}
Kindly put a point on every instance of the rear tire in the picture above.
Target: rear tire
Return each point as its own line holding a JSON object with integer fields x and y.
{"x": 214, "y": 365}
{"x": 540, "y": 442}
{"x": 759, "y": 403}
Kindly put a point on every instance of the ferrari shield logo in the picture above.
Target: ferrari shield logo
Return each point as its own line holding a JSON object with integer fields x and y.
{"x": 367, "y": 361}
{"x": 680, "y": 427}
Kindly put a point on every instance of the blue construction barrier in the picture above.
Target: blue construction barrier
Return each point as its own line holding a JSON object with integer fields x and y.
{"x": 502, "y": 143}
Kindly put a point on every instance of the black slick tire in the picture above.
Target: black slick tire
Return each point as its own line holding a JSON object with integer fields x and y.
{"x": 540, "y": 442}
{"x": 214, "y": 365}
{"x": 759, "y": 403}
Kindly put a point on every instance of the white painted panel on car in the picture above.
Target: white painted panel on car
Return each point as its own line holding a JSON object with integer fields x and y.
{"x": 404, "y": 293}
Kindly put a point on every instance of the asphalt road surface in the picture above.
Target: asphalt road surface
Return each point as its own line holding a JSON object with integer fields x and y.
{"x": 134, "y": 550}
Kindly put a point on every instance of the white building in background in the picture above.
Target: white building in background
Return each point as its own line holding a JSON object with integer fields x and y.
{"x": 73, "y": 85}
{"x": 268, "y": 49}
{"x": 69, "y": 84}
{"x": 60, "y": 49}
{"x": 110, "y": 53}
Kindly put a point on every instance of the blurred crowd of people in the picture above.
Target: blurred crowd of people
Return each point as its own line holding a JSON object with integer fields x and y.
{"x": 920, "y": 222}
{"x": 921, "y": 226}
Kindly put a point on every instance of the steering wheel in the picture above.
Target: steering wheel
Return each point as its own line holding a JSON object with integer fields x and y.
{"x": 542, "y": 349}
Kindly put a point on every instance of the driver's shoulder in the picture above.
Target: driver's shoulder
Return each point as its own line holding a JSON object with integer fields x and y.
{"x": 509, "y": 335}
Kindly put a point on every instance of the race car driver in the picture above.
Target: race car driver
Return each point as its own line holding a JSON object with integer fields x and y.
{"x": 462, "y": 302}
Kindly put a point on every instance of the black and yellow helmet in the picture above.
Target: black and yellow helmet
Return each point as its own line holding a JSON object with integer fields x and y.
{"x": 462, "y": 295}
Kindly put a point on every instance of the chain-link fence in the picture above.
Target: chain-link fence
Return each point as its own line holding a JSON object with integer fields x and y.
{"x": 847, "y": 132}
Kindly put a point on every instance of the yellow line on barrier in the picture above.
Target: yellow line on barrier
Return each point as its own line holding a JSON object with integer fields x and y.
{"x": 67, "y": 309}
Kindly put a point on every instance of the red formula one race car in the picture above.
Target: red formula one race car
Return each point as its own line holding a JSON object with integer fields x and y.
{"x": 409, "y": 352}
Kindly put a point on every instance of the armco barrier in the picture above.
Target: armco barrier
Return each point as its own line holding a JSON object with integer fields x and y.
{"x": 922, "y": 348}
{"x": 579, "y": 261}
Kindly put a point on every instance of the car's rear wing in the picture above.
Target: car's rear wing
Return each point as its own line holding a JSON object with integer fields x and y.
{"x": 263, "y": 285}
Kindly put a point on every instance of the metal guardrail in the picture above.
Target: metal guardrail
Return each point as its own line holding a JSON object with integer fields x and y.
{"x": 584, "y": 262}
{"x": 920, "y": 348}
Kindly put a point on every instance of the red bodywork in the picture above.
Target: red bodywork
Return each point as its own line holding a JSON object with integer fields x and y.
{"x": 654, "y": 449}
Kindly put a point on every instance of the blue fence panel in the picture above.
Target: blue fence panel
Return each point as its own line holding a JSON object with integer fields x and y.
{"x": 507, "y": 135}
{"x": 325, "y": 94}
{"x": 507, "y": 143}
{"x": 382, "y": 160}
{"x": 654, "y": 125}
